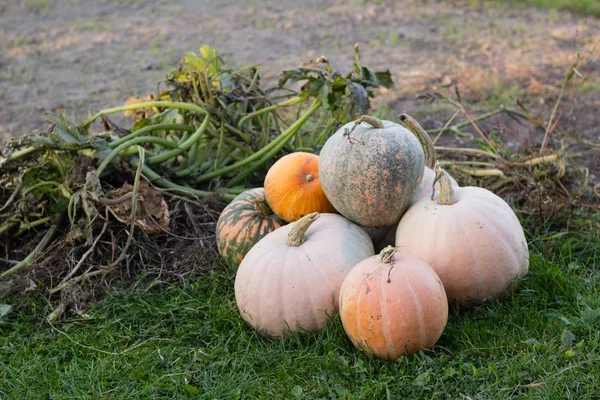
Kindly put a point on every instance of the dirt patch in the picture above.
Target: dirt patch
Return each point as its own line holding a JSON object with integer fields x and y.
{"x": 83, "y": 56}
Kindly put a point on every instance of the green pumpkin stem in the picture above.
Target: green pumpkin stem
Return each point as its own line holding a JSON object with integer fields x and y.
{"x": 373, "y": 121}
{"x": 296, "y": 235}
{"x": 412, "y": 125}
{"x": 262, "y": 207}
{"x": 447, "y": 196}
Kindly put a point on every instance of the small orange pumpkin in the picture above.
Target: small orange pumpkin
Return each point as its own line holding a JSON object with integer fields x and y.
{"x": 293, "y": 188}
{"x": 393, "y": 304}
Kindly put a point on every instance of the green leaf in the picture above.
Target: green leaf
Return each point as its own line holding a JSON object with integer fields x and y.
{"x": 376, "y": 79}
{"x": 422, "y": 379}
{"x": 358, "y": 99}
{"x": 297, "y": 391}
{"x": 63, "y": 131}
{"x": 324, "y": 95}
{"x": 567, "y": 338}
{"x": 191, "y": 389}
{"x": 591, "y": 316}
{"x": 5, "y": 309}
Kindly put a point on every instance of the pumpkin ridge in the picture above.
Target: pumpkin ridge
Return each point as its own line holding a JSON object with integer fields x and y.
{"x": 507, "y": 236}
{"x": 419, "y": 312}
{"x": 482, "y": 285}
{"x": 260, "y": 262}
{"x": 385, "y": 318}
{"x": 322, "y": 276}
{"x": 309, "y": 292}
{"x": 362, "y": 341}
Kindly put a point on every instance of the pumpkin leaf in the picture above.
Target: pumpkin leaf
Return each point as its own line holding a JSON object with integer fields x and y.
{"x": 376, "y": 79}
{"x": 567, "y": 338}
{"x": 63, "y": 132}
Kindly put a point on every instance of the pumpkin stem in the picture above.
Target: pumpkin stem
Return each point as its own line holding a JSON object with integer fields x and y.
{"x": 262, "y": 207}
{"x": 373, "y": 121}
{"x": 412, "y": 125}
{"x": 387, "y": 253}
{"x": 296, "y": 235}
{"x": 447, "y": 196}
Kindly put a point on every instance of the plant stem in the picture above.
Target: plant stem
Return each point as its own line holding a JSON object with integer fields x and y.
{"x": 423, "y": 137}
{"x": 447, "y": 196}
{"x": 151, "y": 128}
{"x": 167, "y": 155}
{"x": 288, "y": 103}
{"x": 124, "y": 146}
{"x": 296, "y": 235}
{"x": 283, "y": 138}
{"x": 468, "y": 122}
{"x": 278, "y": 144}
{"x": 40, "y": 247}
{"x": 160, "y": 181}
{"x": 169, "y": 104}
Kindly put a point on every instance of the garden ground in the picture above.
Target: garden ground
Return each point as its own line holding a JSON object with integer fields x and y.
{"x": 187, "y": 339}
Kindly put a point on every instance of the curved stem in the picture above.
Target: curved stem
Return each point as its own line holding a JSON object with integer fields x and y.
{"x": 262, "y": 207}
{"x": 167, "y": 155}
{"x": 288, "y": 103}
{"x": 197, "y": 163}
{"x": 447, "y": 196}
{"x": 296, "y": 236}
{"x": 151, "y": 128}
{"x": 169, "y": 104}
{"x": 138, "y": 140}
{"x": 386, "y": 254}
{"x": 412, "y": 125}
{"x": 277, "y": 144}
{"x": 40, "y": 247}
{"x": 373, "y": 121}
{"x": 160, "y": 181}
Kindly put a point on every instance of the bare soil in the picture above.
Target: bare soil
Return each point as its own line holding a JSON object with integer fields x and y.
{"x": 82, "y": 56}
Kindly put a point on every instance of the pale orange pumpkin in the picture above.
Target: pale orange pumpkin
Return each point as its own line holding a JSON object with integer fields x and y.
{"x": 293, "y": 188}
{"x": 291, "y": 278}
{"x": 470, "y": 237}
{"x": 393, "y": 304}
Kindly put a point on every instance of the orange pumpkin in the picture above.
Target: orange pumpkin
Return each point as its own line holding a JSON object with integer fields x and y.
{"x": 393, "y": 304}
{"x": 293, "y": 188}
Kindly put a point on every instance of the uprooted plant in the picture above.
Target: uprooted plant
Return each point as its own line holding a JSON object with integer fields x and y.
{"x": 90, "y": 196}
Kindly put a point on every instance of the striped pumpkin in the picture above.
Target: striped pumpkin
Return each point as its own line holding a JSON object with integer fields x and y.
{"x": 246, "y": 220}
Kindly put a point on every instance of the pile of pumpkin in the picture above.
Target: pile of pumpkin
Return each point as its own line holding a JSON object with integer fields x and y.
{"x": 375, "y": 185}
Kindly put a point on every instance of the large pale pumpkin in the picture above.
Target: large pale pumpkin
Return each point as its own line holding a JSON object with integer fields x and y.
{"x": 291, "y": 278}
{"x": 370, "y": 171}
{"x": 293, "y": 188}
{"x": 470, "y": 237}
{"x": 393, "y": 304}
{"x": 244, "y": 221}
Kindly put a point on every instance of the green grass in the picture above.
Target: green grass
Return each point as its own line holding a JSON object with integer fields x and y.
{"x": 188, "y": 341}
{"x": 580, "y": 7}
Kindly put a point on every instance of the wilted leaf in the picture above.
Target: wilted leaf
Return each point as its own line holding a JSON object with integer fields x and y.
{"x": 152, "y": 212}
{"x": 5, "y": 309}
{"x": 422, "y": 379}
{"x": 567, "y": 338}
{"x": 591, "y": 316}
